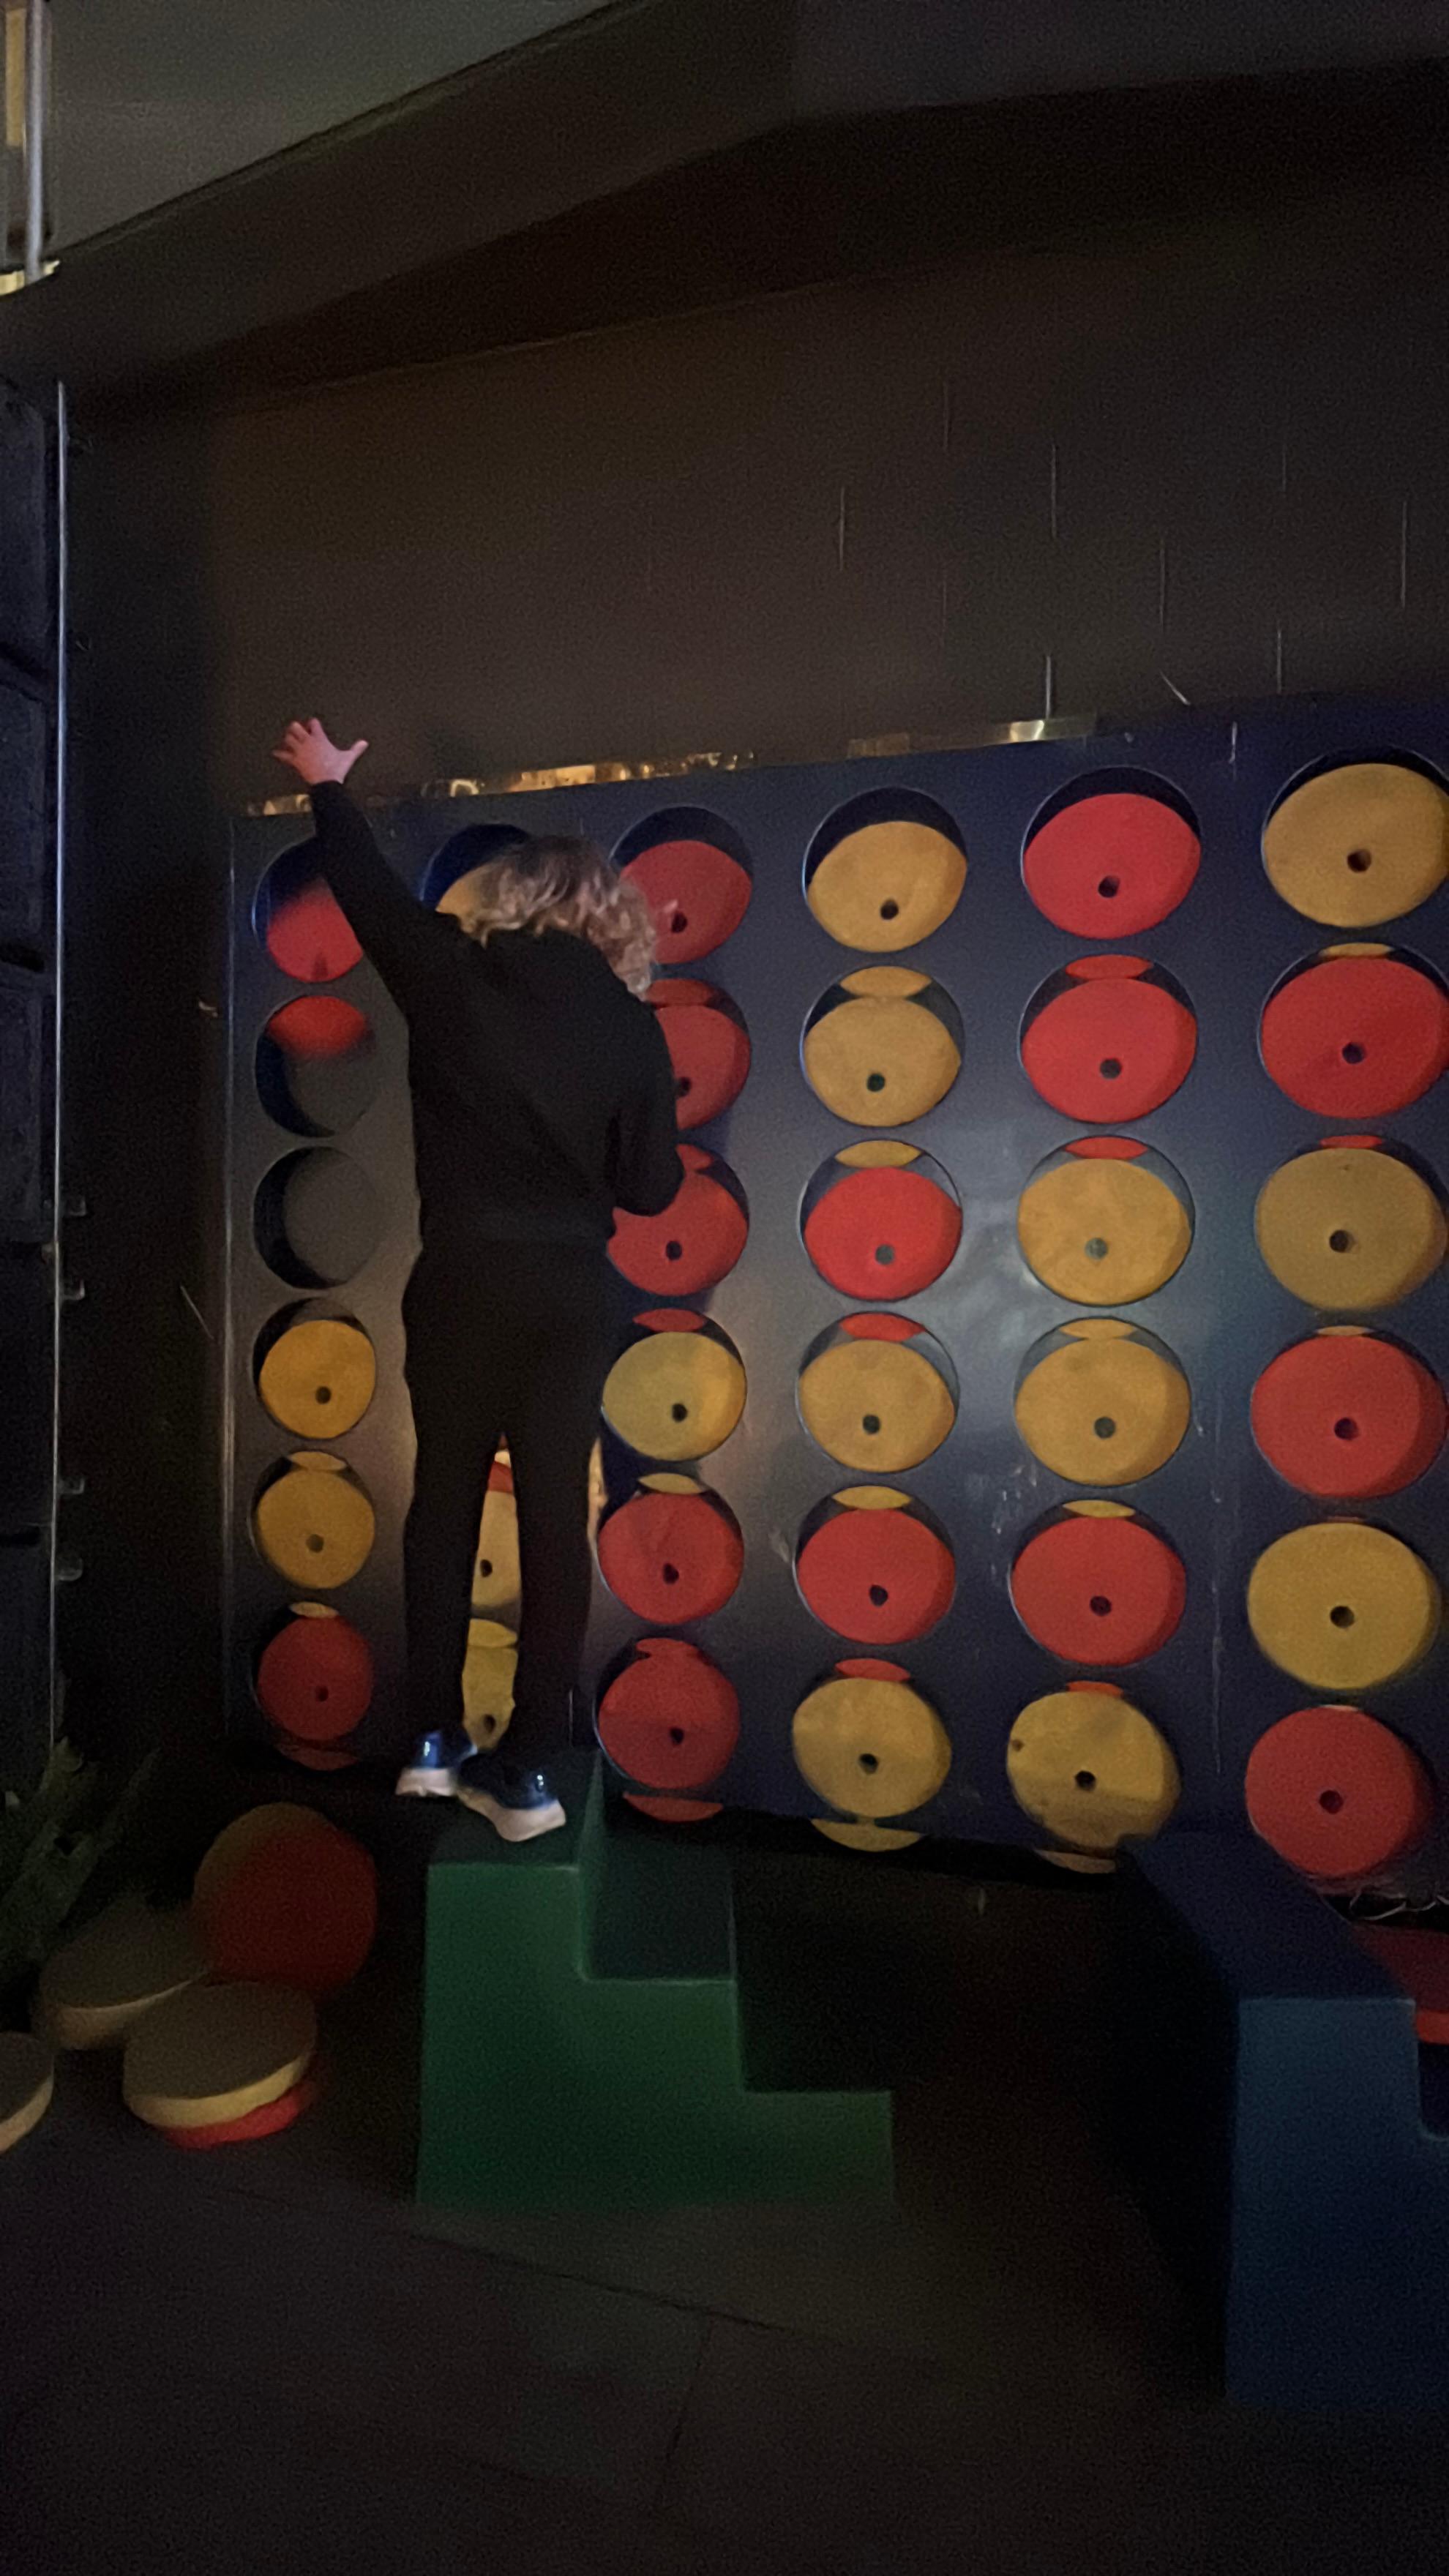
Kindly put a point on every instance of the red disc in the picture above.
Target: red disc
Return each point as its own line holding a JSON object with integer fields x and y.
{"x": 697, "y": 894}
{"x": 670, "y": 1719}
{"x": 1096, "y": 1591}
{"x": 315, "y": 1757}
{"x": 298, "y": 1909}
{"x": 1353, "y": 1037}
{"x": 671, "y": 1557}
{"x": 1111, "y": 865}
{"x": 1348, "y": 1416}
{"x": 708, "y": 1049}
{"x": 318, "y": 1026}
{"x": 1336, "y": 1794}
{"x": 1111, "y": 1046}
{"x": 697, "y": 1240}
{"x": 880, "y": 1576}
{"x": 262, "y": 2123}
{"x": 1418, "y": 1961}
{"x": 309, "y": 937}
{"x": 674, "y": 1811}
{"x": 882, "y": 1230}
{"x": 315, "y": 1679}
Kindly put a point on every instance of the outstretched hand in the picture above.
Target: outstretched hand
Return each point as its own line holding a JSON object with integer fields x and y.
{"x": 306, "y": 748}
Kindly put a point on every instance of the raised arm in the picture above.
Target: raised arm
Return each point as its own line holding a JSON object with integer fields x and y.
{"x": 406, "y": 943}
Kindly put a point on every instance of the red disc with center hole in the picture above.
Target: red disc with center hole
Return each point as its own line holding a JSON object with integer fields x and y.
{"x": 309, "y": 937}
{"x": 1348, "y": 1416}
{"x": 1354, "y": 1037}
{"x": 315, "y": 1679}
{"x": 318, "y": 1026}
{"x": 1111, "y": 865}
{"x": 671, "y": 1557}
{"x": 696, "y": 1241}
{"x": 674, "y": 1811}
{"x": 708, "y": 1049}
{"x": 1099, "y": 1591}
{"x": 670, "y": 1719}
{"x": 882, "y": 1231}
{"x": 880, "y": 1576}
{"x": 1336, "y": 1794}
{"x": 1110, "y": 1047}
{"x": 698, "y": 895}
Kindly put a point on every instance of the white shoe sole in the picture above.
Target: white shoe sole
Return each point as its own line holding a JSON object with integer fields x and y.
{"x": 426, "y": 1784}
{"x": 514, "y": 1824}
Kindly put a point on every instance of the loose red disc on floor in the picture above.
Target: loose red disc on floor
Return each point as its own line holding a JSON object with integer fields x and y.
{"x": 1099, "y": 1590}
{"x": 1356, "y": 1037}
{"x": 880, "y": 1576}
{"x": 670, "y": 1719}
{"x": 882, "y": 1231}
{"x": 298, "y": 1909}
{"x": 308, "y": 935}
{"x": 1110, "y": 1045}
{"x": 315, "y": 1679}
{"x": 1337, "y": 1794}
{"x": 1348, "y": 1416}
{"x": 698, "y": 895}
{"x": 1418, "y": 1962}
{"x": 671, "y": 1557}
{"x": 696, "y": 1241}
{"x": 708, "y": 1048}
{"x": 1111, "y": 865}
{"x": 264, "y": 2123}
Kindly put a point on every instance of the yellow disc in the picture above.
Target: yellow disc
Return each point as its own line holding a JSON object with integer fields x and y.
{"x": 241, "y": 1836}
{"x": 1103, "y": 1412}
{"x": 495, "y": 1561}
{"x": 1343, "y": 1605}
{"x": 131, "y": 1958}
{"x": 871, "y": 1748}
{"x": 1102, "y": 1233}
{"x": 488, "y": 1670}
{"x": 318, "y": 1378}
{"x": 27, "y": 2081}
{"x": 880, "y": 1060}
{"x": 1091, "y": 1768}
{"x": 877, "y": 1154}
{"x": 675, "y": 1395}
{"x": 887, "y": 885}
{"x": 1359, "y": 844}
{"x": 315, "y": 1527}
{"x": 865, "y": 1838}
{"x": 875, "y": 1404}
{"x": 1348, "y": 1228}
{"x": 1084, "y": 1864}
{"x": 216, "y": 2053}
{"x": 872, "y": 1498}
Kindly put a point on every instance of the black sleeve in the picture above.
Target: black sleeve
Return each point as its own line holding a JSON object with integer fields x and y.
{"x": 410, "y": 946}
{"x": 646, "y": 1168}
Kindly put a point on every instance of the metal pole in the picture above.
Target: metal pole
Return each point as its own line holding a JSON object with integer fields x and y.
{"x": 35, "y": 112}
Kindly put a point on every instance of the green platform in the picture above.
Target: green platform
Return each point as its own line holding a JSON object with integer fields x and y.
{"x": 583, "y": 2041}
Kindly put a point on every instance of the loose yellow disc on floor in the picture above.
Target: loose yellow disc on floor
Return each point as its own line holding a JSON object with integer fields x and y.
{"x": 1091, "y": 1768}
{"x": 675, "y": 1395}
{"x": 869, "y": 1747}
{"x": 1348, "y": 1228}
{"x": 1343, "y": 1605}
{"x": 27, "y": 2081}
{"x": 880, "y": 1059}
{"x": 1102, "y": 1232}
{"x": 1083, "y": 1864}
{"x": 1103, "y": 1411}
{"x": 319, "y": 1378}
{"x": 865, "y": 1838}
{"x": 887, "y": 885}
{"x": 496, "y": 1577}
{"x": 131, "y": 1958}
{"x": 1360, "y": 844}
{"x": 216, "y": 2053}
{"x": 240, "y": 1838}
{"x": 488, "y": 1670}
{"x": 315, "y": 1527}
{"x": 875, "y": 1404}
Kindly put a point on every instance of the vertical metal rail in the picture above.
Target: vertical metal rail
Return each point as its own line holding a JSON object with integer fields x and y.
{"x": 37, "y": 86}
{"x": 57, "y": 1176}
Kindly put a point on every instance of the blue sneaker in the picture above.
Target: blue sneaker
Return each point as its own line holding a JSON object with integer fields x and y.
{"x": 518, "y": 1804}
{"x": 433, "y": 1770}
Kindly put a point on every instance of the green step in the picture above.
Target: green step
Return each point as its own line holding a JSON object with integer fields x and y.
{"x": 581, "y": 2035}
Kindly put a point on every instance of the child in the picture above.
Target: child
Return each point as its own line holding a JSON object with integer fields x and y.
{"x": 543, "y": 1098}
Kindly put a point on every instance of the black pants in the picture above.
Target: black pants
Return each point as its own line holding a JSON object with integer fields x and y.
{"x": 504, "y": 1340}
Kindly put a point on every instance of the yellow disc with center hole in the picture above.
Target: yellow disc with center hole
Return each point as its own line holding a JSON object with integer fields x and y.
{"x": 1343, "y": 1605}
{"x": 886, "y": 886}
{"x": 871, "y": 1748}
{"x": 1103, "y": 1412}
{"x": 129, "y": 1959}
{"x": 496, "y": 1577}
{"x": 675, "y": 1395}
{"x": 1091, "y": 1768}
{"x": 318, "y": 1378}
{"x": 216, "y": 2053}
{"x": 865, "y": 1838}
{"x": 1101, "y": 1232}
{"x": 875, "y": 1404}
{"x": 880, "y": 1059}
{"x": 314, "y": 1527}
{"x": 488, "y": 1671}
{"x": 1349, "y": 1228}
{"x": 1359, "y": 844}
{"x": 27, "y": 2081}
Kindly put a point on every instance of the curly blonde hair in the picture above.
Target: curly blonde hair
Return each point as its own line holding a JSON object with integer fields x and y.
{"x": 559, "y": 882}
